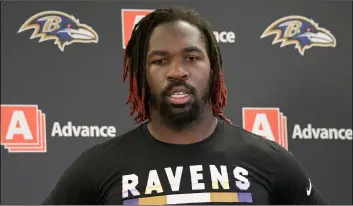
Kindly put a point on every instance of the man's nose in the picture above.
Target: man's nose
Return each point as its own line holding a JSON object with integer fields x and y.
{"x": 177, "y": 72}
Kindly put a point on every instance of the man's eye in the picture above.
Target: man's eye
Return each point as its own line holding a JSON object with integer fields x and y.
{"x": 161, "y": 61}
{"x": 192, "y": 58}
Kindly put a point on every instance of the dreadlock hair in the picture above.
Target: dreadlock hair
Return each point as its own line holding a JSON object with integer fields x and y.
{"x": 136, "y": 52}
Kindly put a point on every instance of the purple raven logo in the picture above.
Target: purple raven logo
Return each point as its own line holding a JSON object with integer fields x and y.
{"x": 63, "y": 28}
{"x": 304, "y": 33}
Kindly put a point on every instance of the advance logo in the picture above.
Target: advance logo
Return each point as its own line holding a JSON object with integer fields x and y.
{"x": 224, "y": 36}
{"x": 272, "y": 124}
{"x": 269, "y": 123}
{"x": 23, "y": 129}
{"x": 309, "y": 132}
{"x": 130, "y": 17}
{"x": 70, "y": 130}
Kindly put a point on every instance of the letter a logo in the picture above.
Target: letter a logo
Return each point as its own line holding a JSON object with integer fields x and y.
{"x": 129, "y": 18}
{"x": 269, "y": 123}
{"x": 23, "y": 129}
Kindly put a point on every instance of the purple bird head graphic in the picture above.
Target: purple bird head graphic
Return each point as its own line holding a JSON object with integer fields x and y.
{"x": 300, "y": 31}
{"x": 63, "y": 28}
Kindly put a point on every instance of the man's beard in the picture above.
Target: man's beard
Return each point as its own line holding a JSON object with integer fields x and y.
{"x": 179, "y": 117}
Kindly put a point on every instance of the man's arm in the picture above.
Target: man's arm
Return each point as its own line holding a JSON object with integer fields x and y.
{"x": 291, "y": 185}
{"x": 75, "y": 186}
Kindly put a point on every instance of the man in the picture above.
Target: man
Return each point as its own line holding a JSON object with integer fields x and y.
{"x": 186, "y": 152}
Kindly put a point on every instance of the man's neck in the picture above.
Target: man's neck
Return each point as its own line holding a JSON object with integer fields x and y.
{"x": 195, "y": 132}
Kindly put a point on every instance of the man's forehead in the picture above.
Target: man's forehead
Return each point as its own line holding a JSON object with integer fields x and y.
{"x": 175, "y": 36}
{"x": 179, "y": 26}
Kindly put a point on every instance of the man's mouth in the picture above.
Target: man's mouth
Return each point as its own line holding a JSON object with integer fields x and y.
{"x": 178, "y": 91}
{"x": 179, "y": 95}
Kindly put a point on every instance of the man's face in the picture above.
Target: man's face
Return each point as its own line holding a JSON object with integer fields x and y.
{"x": 178, "y": 72}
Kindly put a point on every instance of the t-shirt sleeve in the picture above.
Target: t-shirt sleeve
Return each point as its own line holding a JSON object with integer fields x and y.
{"x": 292, "y": 186}
{"x": 75, "y": 186}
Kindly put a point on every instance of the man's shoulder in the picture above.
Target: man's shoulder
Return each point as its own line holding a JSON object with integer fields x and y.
{"x": 268, "y": 157}
{"x": 109, "y": 153}
{"x": 255, "y": 144}
{"x": 117, "y": 144}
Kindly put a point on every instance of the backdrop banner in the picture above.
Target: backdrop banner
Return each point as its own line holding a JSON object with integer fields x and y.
{"x": 288, "y": 70}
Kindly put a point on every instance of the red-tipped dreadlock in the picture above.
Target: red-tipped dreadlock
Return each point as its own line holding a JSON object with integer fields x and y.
{"x": 135, "y": 60}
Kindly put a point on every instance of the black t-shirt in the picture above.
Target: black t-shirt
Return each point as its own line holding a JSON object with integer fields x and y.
{"x": 232, "y": 166}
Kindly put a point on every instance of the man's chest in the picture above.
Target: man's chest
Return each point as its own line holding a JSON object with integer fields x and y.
{"x": 207, "y": 182}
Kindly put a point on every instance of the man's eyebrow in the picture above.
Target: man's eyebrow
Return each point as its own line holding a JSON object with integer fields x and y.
{"x": 192, "y": 49}
{"x": 157, "y": 53}
{"x": 165, "y": 53}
